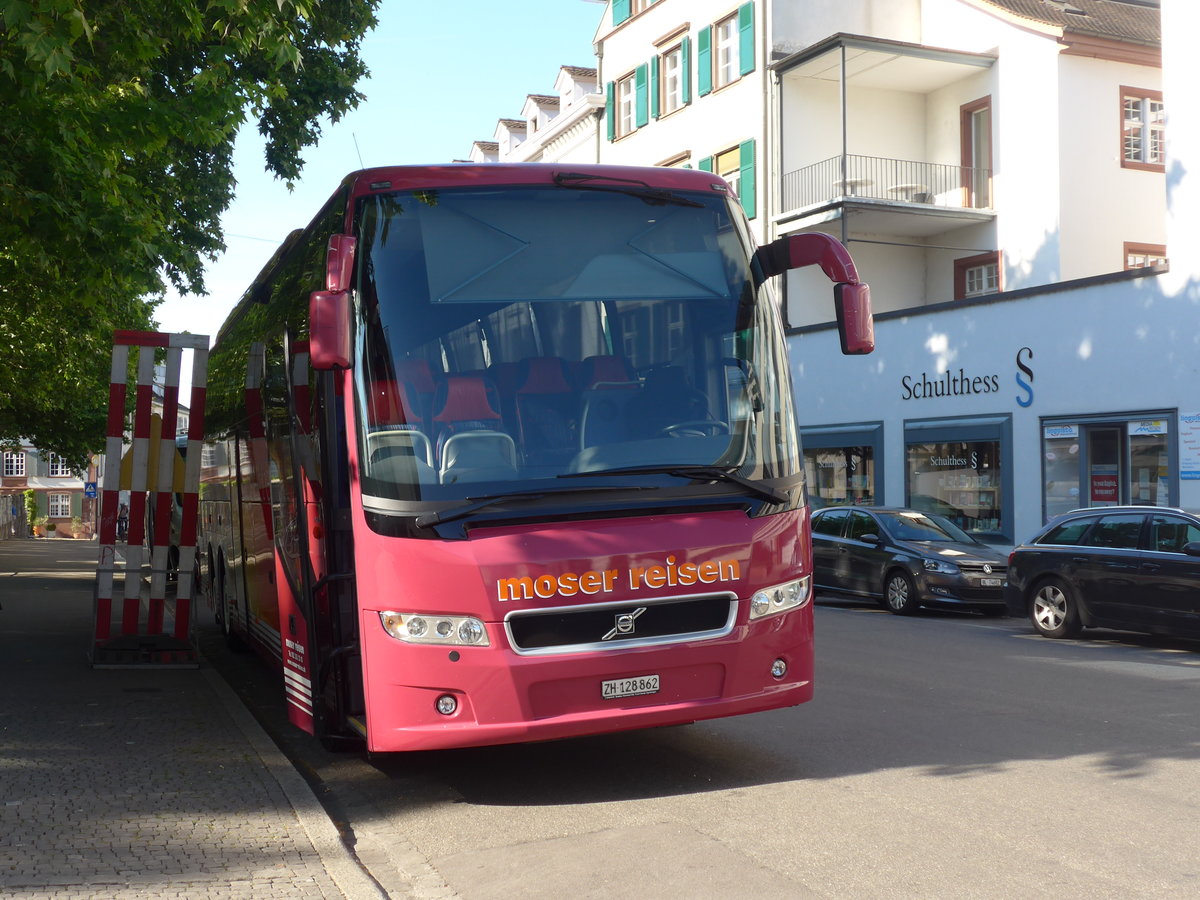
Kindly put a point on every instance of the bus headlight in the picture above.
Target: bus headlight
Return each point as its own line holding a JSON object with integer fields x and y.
{"x": 780, "y": 597}
{"x": 414, "y": 628}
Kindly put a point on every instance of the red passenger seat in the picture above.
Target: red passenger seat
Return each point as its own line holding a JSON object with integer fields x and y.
{"x": 546, "y": 411}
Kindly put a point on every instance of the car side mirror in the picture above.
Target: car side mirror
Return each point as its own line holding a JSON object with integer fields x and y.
{"x": 1192, "y": 548}
{"x": 871, "y": 538}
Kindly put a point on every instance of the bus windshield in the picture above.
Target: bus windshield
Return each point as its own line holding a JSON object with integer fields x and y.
{"x": 511, "y": 336}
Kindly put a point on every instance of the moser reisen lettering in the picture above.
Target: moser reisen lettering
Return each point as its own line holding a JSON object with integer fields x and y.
{"x": 947, "y": 385}
{"x": 569, "y": 584}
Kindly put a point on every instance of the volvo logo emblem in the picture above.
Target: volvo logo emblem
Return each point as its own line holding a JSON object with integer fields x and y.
{"x": 987, "y": 569}
{"x": 624, "y": 624}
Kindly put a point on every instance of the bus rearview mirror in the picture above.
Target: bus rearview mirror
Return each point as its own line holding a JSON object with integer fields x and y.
{"x": 329, "y": 330}
{"x": 856, "y": 328}
{"x": 339, "y": 263}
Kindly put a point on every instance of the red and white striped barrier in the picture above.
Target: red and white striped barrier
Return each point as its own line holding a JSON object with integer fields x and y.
{"x": 138, "y": 642}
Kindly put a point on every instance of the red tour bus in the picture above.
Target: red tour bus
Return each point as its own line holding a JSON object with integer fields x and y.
{"x": 508, "y": 453}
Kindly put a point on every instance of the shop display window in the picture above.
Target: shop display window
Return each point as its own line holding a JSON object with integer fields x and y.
{"x": 959, "y": 480}
{"x": 1106, "y": 462}
{"x": 840, "y": 476}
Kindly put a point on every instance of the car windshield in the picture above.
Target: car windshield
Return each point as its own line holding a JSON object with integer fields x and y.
{"x": 510, "y": 336}
{"x": 917, "y": 526}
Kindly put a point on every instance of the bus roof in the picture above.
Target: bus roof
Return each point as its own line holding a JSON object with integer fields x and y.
{"x": 400, "y": 178}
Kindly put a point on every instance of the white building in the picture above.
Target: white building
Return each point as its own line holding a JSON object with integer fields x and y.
{"x": 1025, "y": 365}
{"x": 558, "y": 127}
{"x": 685, "y": 84}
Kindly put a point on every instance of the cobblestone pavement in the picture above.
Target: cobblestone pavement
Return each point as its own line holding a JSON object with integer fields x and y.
{"x": 132, "y": 783}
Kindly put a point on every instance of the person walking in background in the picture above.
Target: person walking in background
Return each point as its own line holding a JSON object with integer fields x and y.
{"x": 122, "y": 521}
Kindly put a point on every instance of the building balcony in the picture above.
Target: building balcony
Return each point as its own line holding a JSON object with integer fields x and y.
{"x": 890, "y": 196}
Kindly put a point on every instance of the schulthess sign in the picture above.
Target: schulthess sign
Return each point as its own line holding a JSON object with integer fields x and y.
{"x": 963, "y": 383}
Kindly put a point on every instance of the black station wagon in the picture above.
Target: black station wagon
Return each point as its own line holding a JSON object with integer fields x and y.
{"x": 1134, "y": 568}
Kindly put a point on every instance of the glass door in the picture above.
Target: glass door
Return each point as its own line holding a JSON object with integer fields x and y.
{"x": 1104, "y": 466}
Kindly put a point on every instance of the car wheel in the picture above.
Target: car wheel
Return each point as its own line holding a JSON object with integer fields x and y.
{"x": 1054, "y": 610}
{"x": 900, "y": 593}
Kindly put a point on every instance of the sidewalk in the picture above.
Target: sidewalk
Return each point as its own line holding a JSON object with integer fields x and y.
{"x": 126, "y": 783}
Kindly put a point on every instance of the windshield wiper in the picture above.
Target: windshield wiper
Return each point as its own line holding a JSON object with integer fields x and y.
{"x": 695, "y": 473}
{"x": 475, "y": 504}
{"x": 631, "y": 186}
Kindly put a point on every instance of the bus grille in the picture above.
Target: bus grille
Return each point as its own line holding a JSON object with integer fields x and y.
{"x": 610, "y": 626}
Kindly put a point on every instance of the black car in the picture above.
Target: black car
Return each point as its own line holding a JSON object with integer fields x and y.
{"x": 905, "y": 559}
{"x": 1135, "y": 568}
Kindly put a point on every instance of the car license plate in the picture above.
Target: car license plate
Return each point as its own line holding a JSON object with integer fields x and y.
{"x": 629, "y": 687}
{"x": 991, "y": 582}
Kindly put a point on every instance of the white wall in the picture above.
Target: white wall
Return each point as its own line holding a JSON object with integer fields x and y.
{"x": 1103, "y": 204}
{"x": 711, "y": 124}
{"x": 797, "y": 24}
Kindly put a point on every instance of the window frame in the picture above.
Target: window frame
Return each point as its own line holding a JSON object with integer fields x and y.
{"x": 730, "y": 43}
{"x": 14, "y": 464}
{"x": 973, "y": 155}
{"x": 57, "y": 467}
{"x": 1148, "y": 129}
{"x": 671, "y": 101}
{"x": 1150, "y": 251}
{"x": 59, "y": 501}
{"x": 625, "y": 105}
{"x": 962, "y": 267}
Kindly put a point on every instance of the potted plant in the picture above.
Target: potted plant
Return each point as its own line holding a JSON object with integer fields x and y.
{"x": 39, "y": 526}
{"x": 77, "y": 527}
{"x": 51, "y": 527}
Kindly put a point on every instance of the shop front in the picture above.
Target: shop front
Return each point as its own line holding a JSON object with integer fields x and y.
{"x": 1108, "y": 460}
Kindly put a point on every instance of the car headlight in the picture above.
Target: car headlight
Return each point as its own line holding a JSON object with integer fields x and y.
{"x": 938, "y": 565}
{"x": 780, "y": 597}
{"x": 419, "y": 628}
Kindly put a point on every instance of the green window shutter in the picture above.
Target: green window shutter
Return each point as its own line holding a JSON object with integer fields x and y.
{"x": 748, "y": 192}
{"x": 685, "y": 70}
{"x": 620, "y": 11}
{"x": 746, "y": 38}
{"x": 705, "y": 165}
{"x": 610, "y": 116}
{"x": 704, "y": 61}
{"x": 641, "y": 107}
{"x": 654, "y": 87}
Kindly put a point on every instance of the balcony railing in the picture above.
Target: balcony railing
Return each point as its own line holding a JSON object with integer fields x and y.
{"x": 878, "y": 178}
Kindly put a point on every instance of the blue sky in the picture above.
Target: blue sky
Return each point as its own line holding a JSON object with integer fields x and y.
{"x": 442, "y": 73}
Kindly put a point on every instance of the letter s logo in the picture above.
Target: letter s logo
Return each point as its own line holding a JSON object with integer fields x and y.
{"x": 1024, "y": 385}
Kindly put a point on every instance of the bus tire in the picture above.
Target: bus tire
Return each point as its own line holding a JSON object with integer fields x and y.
{"x": 232, "y": 639}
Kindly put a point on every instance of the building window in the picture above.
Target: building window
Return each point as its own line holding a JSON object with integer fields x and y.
{"x": 729, "y": 167}
{"x": 838, "y": 476}
{"x": 1142, "y": 142}
{"x": 626, "y": 105}
{"x": 725, "y": 52}
{"x": 58, "y": 466}
{"x": 14, "y": 464}
{"x": 1139, "y": 256}
{"x": 977, "y": 276}
{"x": 959, "y": 480}
{"x": 1098, "y": 461}
{"x": 60, "y": 506}
{"x": 672, "y": 71}
{"x": 975, "y": 124}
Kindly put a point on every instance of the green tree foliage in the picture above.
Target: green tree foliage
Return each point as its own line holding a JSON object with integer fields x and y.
{"x": 117, "y": 119}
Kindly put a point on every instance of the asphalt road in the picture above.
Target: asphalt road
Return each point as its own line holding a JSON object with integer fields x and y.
{"x": 944, "y": 756}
